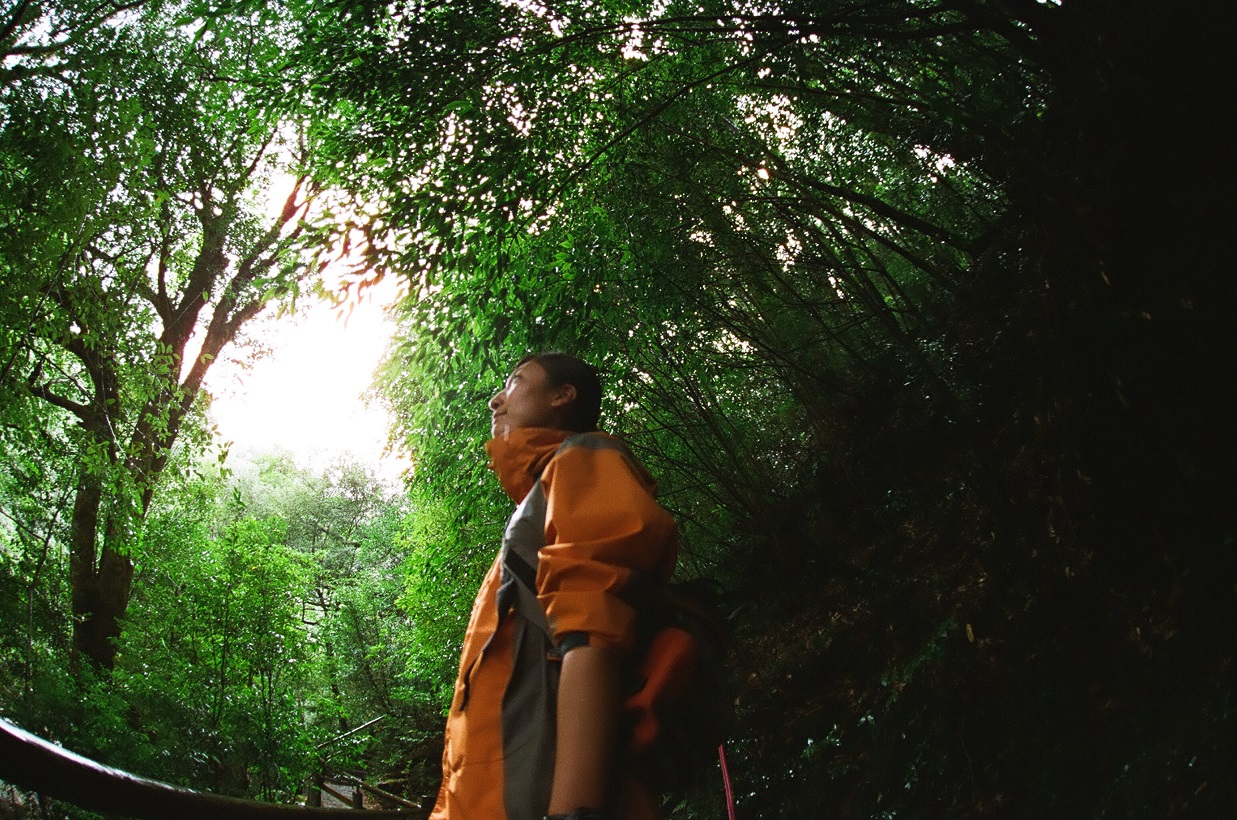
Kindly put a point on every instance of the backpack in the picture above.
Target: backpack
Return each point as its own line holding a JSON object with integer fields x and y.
{"x": 678, "y": 700}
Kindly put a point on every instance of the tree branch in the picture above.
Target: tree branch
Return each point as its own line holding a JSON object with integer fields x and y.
{"x": 84, "y": 413}
{"x": 16, "y": 17}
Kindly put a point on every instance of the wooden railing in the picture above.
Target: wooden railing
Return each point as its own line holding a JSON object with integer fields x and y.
{"x": 31, "y": 763}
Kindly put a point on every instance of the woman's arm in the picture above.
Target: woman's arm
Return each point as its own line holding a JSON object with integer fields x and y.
{"x": 588, "y": 714}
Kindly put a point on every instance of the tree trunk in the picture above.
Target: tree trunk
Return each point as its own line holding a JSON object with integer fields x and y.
{"x": 99, "y": 604}
{"x": 100, "y": 578}
{"x": 100, "y": 569}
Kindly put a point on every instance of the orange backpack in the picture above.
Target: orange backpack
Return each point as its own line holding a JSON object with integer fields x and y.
{"x": 679, "y": 704}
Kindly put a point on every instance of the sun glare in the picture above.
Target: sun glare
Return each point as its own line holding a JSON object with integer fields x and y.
{"x": 303, "y": 392}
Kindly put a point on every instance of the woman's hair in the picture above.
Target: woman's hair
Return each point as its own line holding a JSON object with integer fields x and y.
{"x": 563, "y": 368}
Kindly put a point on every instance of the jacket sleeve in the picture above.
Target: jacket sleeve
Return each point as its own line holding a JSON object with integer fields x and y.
{"x": 602, "y": 526}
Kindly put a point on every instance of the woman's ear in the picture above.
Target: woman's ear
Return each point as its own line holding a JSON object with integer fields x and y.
{"x": 564, "y": 395}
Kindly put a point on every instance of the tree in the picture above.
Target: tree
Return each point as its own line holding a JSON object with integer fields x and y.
{"x": 141, "y": 248}
{"x": 216, "y": 669}
{"x": 348, "y": 526}
{"x": 707, "y": 202}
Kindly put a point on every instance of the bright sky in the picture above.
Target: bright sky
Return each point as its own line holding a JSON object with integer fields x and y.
{"x": 305, "y": 395}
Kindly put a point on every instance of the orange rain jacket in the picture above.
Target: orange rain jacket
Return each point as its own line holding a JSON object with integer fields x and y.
{"x": 586, "y": 531}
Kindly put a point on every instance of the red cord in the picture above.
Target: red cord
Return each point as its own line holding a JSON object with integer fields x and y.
{"x": 721, "y": 755}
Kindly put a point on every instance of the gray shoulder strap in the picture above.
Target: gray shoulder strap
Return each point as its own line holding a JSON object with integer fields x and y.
{"x": 525, "y": 536}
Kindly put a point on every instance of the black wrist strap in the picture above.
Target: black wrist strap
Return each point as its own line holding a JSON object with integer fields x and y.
{"x": 582, "y": 814}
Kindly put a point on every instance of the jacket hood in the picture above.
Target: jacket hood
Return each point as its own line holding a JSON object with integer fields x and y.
{"x": 518, "y": 457}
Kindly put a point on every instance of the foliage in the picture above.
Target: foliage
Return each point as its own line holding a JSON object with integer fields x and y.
{"x": 705, "y": 255}
{"x": 349, "y": 527}
{"x": 217, "y": 670}
{"x": 263, "y": 626}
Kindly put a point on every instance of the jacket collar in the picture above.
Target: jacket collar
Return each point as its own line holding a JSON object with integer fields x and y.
{"x": 518, "y": 457}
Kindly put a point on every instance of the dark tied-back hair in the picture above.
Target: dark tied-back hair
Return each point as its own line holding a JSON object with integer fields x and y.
{"x": 563, "y": 368}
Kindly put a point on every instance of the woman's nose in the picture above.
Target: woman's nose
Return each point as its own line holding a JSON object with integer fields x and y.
{"x": 496, "y": 400}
